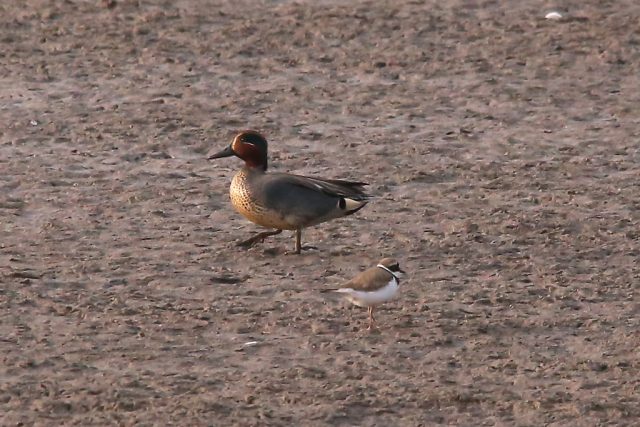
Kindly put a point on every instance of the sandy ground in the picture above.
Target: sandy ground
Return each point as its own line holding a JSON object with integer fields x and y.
{"x": 504, "y": 152}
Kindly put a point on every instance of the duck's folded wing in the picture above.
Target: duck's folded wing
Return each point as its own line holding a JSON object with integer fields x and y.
{"x": 333, "y": 187}
{"x": 310, "y": 201}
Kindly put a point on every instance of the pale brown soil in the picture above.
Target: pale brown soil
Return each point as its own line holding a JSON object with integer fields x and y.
{"x": 504, "y": 152}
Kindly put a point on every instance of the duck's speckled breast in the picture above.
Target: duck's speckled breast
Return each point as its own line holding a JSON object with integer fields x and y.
{"x": 248, "y": 203}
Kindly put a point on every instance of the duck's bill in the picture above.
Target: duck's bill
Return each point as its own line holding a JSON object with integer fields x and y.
{"x": 227, "y": 152}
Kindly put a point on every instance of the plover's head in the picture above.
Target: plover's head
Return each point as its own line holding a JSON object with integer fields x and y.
{"x": 248, "y": 145}
{"x": 392, "y": 265}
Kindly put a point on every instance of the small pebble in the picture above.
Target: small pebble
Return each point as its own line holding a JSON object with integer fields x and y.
{"x": 553, "y": 15}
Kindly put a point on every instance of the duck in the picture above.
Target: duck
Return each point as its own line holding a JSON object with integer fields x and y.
{"x": 372, "y": 287}
{"x": 284, "y": 201}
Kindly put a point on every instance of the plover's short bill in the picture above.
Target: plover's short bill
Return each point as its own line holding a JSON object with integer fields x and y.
{"x": 373, "y": 286}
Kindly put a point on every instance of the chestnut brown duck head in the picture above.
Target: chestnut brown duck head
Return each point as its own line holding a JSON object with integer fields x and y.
{"x": 250, "y": 146}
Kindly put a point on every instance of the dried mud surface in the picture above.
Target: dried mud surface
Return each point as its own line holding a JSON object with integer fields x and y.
{"x": 503, "y": 151}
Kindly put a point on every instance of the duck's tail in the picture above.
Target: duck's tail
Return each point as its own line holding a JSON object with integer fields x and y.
{"x": 352, "y": 206}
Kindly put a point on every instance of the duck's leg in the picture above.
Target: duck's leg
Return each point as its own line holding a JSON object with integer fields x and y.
{"x": 299, "y": 246}
{"x": 298, "y": 240}
{"x": 258, "y": 238}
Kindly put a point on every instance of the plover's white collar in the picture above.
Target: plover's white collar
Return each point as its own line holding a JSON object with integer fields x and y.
{"x": 395, "y": 276}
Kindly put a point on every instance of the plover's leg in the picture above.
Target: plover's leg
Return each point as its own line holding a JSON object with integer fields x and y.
{"x": 258, "y": 238}
{"x": 372, "y": 320}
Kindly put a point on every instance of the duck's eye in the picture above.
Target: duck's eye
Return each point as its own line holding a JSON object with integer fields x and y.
{"x": 252, "y": 139}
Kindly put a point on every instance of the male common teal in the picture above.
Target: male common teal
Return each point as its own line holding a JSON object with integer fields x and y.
{"x": 285, "y": 201}
{"x": 373, "y": 286}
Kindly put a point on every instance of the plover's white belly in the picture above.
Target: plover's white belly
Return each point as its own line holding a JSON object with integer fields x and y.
{"x": 371, "y": 298}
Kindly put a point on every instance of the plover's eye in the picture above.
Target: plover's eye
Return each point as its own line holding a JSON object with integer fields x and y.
{"x": 395, "y": 267}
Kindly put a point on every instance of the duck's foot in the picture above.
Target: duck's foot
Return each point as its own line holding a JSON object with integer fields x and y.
{"x": 257, "y": 238}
